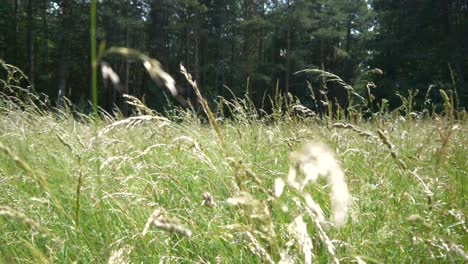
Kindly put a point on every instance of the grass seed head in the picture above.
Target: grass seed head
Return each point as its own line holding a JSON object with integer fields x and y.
{"x": 315, "y": 160}
{"x": 298, "y": 228}
{"x": 170, "y": 225}
{"x": 120, "y": 256}
{"x": 208, "y": 200}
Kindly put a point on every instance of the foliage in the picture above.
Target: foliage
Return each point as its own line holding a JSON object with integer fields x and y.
{"x": 418, "y": 44}
{"x": 251, "y": 46}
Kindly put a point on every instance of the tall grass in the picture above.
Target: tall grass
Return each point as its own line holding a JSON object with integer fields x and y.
{"x": 278, "y": 189}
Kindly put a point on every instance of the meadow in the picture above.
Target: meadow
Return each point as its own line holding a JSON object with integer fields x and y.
{"x": 179, "y": 188}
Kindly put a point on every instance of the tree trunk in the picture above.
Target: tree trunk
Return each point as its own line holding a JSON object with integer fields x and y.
{"x": 30, "y": 42}
{"x": 233, "y": 59}
{"x": 124, "y": 106}
{"x": 65, "y": 46}
{"x": 288, "y": 55}
{"x": 248, "y": 38}
{"x": 15, "y": 35}
{"x": 45, "y": 61}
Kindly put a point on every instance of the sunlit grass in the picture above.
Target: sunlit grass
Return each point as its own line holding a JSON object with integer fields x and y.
{"x": 177, "y": 188}
{"x": 150, "y": 163}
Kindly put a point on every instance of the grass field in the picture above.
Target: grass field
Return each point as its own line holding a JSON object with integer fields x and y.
{"x": 152, "y": 189}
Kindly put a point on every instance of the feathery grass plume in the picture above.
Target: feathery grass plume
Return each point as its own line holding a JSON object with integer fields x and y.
{"x": 14, "y": 74}
{"x": 243, "y": 175}
{"x": 279, "y": 187}
{"x": 315, "y": 160}
{"x": 285, "y": 258}
{"x": 256, "y": 210}
{"x": 109, "y": 74}
{"x": 134, "y": 121}
{"x": 443, "y": 247}
{"x": 376, "y": 71}
{"x": 356, "y": 129}
{"x": 424, "y": 186}
{"x": 120, "y": 256}
{"x": 141, "y": 108}
{"x": 315, "y": 213}
{"x": 171, "y": 225}
{"x": 259, "y": 218}
{"x": 13, "y": 79}
{"x": 298, "y": 228}
{"x": 304, "y": 111}
{"x": 206, "y": 108}
{"x": 15, "y": 96}
{"x": 254, "y": 245}
{"x": 110, "y": 160}
{"x": 330, "y": 77}
{"x": 258, "y": 249}
{"x": 196, "y": 150}
{"x": 369, "y": 87}
{"x": 312, "y": 208}
{"x": 152, "y": 66}
{"x": 241, "y": 110}
{"x": 147, "y": 150}
{"x": 22, "y": 218}
{"x": 37, "y": 177}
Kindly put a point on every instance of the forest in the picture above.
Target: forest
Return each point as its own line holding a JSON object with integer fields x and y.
{"x": 241, "y": 48}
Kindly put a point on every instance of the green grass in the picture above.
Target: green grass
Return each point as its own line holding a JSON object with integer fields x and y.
{"x": 68, "y": 194}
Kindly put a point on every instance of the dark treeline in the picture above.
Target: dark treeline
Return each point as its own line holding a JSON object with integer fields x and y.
{"x": 230, "y": 45}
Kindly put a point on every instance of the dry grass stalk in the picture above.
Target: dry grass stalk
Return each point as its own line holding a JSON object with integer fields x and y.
{"x": 196, "y": 150}
{"x": 298, "y": 108}
{"x": 128, "y": 123}
{"x": 316, "y": 216}
{"x": 170, "y": 225}
{"x": 445, "y": 131}
{"x": 402, "y": 164}
{"x": 69, "y": 146}
{"x": 356, "y": 129}
{"x": 243, "y": 175}
{"x": 38, "y": 178}
{"x": 258, "y": 249}
{"x": 141, "y": 108}
{"x": 256, "y": 210}
{"x": 107, "y": 162}
{"x": 152, "y": 66}
{"x": 109, "y": 74}
{"x": 9, "y": 212}
{"x": 424, "y": 186}
{"x": 149, "y": 149}
{"x": 391, "y": 147}
{"x": 206, "y": 108}
{"x": 120, "y": 256}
